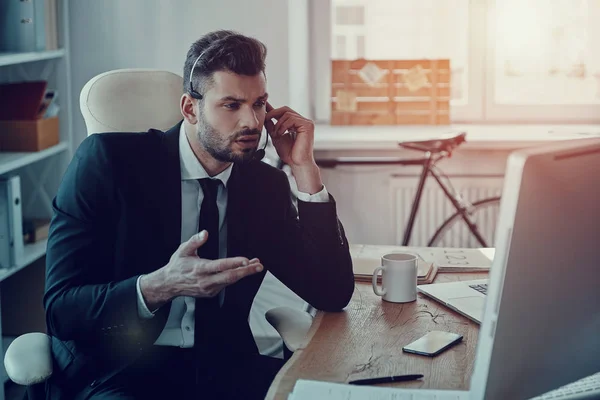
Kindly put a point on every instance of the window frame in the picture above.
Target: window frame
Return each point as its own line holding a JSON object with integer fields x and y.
{"x": 480, "y": 107}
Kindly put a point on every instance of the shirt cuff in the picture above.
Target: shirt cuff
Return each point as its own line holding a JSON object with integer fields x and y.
{"x": 143, "y": 311}
{"x": 319, "y": 197}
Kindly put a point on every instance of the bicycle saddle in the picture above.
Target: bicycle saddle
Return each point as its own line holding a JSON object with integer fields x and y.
{"x": 437, "y": 145}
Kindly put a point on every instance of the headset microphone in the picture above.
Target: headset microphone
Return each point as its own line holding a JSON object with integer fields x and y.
{"x": 260, "y": 153}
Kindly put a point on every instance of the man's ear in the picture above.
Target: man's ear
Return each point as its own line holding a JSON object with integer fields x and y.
{"x": 188, "y": 108}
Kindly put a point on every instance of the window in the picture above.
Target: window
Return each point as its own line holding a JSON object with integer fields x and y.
{"x": 546, "y": 60}
{"x": 348, "y": 32}
{"x": 511, "y": 60}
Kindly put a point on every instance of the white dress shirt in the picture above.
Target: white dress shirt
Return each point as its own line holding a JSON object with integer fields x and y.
{"x": 179, "y": 329}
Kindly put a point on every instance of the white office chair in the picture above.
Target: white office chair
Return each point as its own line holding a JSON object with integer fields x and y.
{"x": 131, "y": 100}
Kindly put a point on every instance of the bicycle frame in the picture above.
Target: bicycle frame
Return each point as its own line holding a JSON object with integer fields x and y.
{"x": 427, "y": 162}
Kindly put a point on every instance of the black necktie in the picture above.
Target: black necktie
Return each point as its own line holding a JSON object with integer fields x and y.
{"x": 209, "y": 219}
{"x": 206, "y": 329}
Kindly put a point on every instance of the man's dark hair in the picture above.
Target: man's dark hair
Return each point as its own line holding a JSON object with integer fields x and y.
{"x": 222, "y": 51}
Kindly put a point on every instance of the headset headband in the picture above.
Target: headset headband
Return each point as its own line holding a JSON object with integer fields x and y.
{"x": 194, "y": 93}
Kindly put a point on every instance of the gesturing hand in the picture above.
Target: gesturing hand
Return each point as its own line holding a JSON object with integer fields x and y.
{"x": 186, "y": 274}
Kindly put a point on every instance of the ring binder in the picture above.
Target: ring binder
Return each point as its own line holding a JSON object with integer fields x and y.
{"x": 11, "y": 222}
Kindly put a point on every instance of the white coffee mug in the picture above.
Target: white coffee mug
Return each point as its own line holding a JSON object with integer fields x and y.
{"x": 398, "y": 278}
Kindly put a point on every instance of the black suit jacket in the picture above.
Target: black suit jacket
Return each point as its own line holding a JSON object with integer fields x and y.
{"x": 118, "y": 215}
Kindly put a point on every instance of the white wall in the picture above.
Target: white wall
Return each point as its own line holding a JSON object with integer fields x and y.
{"x": 111, "y": 34}
{"x": 299, "y": 54}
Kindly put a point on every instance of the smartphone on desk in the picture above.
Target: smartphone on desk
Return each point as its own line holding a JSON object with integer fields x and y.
{"x": 432, "y": 343}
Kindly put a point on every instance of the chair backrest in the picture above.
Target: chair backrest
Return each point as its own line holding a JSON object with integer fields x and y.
{"x": 131, "y": 100}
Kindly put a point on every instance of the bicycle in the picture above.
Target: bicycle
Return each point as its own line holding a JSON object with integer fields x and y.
{"x": 435, "y": 150}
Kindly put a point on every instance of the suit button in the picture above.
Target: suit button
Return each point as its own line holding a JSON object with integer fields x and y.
{"x": 94, "y": 383}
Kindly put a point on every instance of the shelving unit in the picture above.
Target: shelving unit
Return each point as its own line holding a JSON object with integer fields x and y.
{"x": 10, "y": 161}
{"x": 40, "y": 171}
{"x": 32, "y": 252}
{"x": 21, "y": 58}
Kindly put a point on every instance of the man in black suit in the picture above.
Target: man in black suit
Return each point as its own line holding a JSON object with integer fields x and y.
{"x": 160, "y": 241}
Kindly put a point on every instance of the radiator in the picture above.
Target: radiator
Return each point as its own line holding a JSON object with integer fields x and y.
{"x": 435, "y": 208}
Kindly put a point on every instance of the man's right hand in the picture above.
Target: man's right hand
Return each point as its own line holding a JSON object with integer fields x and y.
{"x": 186, "y": 274}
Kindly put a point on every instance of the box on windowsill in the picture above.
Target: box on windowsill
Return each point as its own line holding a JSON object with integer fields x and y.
{"x": 29, "y": 135}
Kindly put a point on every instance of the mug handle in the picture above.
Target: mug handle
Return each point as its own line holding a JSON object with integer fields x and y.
{"x": 378, "y": 292}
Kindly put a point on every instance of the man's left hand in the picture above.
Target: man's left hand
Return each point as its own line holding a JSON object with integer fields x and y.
{"x": 293, "y": 138}
{"x": 292, "y": 135}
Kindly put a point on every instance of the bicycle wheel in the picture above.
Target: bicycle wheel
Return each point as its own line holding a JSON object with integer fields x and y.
{"x": 455, "y": 232}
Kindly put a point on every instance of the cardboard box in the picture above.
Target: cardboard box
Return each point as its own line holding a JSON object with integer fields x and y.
{"x": 33, "y": 135}
{"x": 35, "y": 229}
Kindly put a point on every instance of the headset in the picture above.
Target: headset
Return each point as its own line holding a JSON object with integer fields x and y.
{"x": 258, "y": 154}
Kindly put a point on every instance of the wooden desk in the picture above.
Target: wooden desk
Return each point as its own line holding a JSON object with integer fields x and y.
{"x": 366, "y": 340}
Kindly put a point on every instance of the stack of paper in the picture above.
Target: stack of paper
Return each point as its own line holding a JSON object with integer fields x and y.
{"x": 365, "y": 258}
{"x": 311, "y": 390}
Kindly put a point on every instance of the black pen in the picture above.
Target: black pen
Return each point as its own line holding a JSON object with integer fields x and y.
{"x": 386, "y": 379}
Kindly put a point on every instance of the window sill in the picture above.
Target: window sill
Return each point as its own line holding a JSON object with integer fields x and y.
{"x": 494, "y": 137}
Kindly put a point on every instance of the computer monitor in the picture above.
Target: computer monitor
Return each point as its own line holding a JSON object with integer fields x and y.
{"x": 541, "y": 324}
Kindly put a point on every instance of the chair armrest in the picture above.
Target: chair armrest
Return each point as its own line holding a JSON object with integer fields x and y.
{"x": 291, "y": 324}
{"x": 28, "y": 359}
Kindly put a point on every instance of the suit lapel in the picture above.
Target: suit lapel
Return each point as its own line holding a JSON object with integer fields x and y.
{"x": 235, "y": 209}
{"x": 170, "y": 173}
{"x": 165, "y": 196}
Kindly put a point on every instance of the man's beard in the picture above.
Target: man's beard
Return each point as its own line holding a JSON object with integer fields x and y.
{"x": 219, "y": 148}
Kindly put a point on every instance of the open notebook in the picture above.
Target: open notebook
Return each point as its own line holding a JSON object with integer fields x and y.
{"x": 446, "y": 259}
{"x": 365, "y": 258}
{"x": 458, "y": 259}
